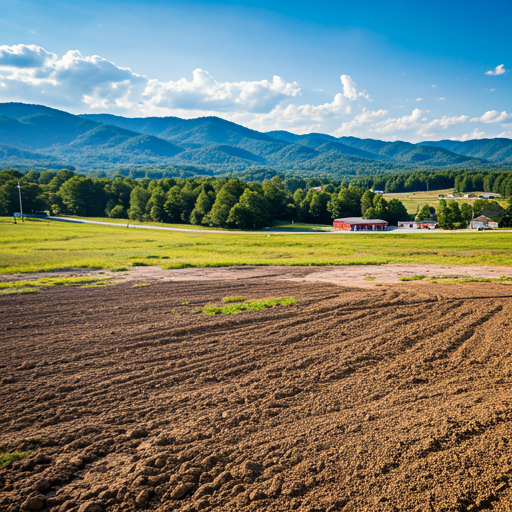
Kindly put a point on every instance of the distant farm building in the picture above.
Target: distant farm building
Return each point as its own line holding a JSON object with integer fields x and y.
{"x": 483, "y": 222}
{"x": 360, "y": 224}
{"x": 378, "y": 191}
{"x": 412, "y": 224}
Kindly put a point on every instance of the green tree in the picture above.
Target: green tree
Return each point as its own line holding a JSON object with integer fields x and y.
{"x": 60, "y": 178}
{"x": 82, "y": 196}
{"x": 172, "y": 204}
{"x": 46, "y": 177}
{"x": 347, "y": 203}
{"x": 32, "y": 176}
{"x": 423, "y": 213}
{"x": 155, "y": 206}
{"x": 118, "y": 212}
{"x": 32, "y": 196}
{"x": 203, "y": 205}
{"x": 449, "y": 215}
{"x": 396, "y": 212}
{"x": 251, "y": 212}
{"x": 8, "y": 175}
{"x": 467, "y": 212}
{"x": 367, "y": 201}
{"x": 139, "y": 198}
{"x": 277, "y": 198}
{"x": 318, "y": 207}
{"x": 226, "y": 198}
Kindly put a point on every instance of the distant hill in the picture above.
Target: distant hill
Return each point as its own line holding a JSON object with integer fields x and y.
{"x": 493, "y": 150}
{"x": 31, "y": 134}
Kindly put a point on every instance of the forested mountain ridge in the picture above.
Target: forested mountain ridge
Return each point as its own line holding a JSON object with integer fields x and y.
{"x": 493, "y": 150}
{"x": 37, "y": 136}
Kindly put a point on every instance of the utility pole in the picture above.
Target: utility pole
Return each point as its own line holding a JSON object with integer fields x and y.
{"x": 21, "y": 205}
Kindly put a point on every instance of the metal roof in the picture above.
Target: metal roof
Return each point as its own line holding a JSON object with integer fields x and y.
{"x": 360, "y": 220}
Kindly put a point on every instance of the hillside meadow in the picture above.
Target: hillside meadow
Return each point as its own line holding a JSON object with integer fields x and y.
{"x": 44, "y": 246}
{"x": 413, "y": 201}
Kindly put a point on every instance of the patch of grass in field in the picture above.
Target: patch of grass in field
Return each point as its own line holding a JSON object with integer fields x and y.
{"x": 254, "y": 305}
{"x": 234, "y": 299}
{"x": 6, "y": 458}
{"x": 369, "y": 278}
{"x": 140, "y": 264}
{"x": 46, "y": 282}
{"x": 503, "y": 279}
{"x": 412, "y": 278}
{"x": 57, "y": 246}
{"x": 140, "y": 284}
{"x": 16, "y": 291}
{"x": 97, "y": 284}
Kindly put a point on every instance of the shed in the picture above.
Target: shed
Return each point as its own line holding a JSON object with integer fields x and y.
{"x": 413, "y": 224}
{"x": 359, "y": 224}
{"x": 483, "y": 222}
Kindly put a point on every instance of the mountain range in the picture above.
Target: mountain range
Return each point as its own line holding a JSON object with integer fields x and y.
{"x": 41, "y": 137}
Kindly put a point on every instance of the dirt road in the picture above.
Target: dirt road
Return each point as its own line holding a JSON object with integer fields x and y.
{"x": 390, "y": 398}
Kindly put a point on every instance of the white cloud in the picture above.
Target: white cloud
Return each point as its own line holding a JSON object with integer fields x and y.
{"x": 349, "y": 89}
{"x": 498, "y": 70}
{"x": 492, "y": 116}
{"x": 475, "y": 134}
{"x": 440, "y": 99}
{"x": 492, "y": 90}
{"x": 365, "y": 118}
{"x": 33, "y": 74}
{"x": 419, "y": 99}
{"x": 203, "y": 92}
{"x": 400, "y": 123}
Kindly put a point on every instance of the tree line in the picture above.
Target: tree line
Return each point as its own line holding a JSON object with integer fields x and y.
{"x": 206, "y": 201}
{"x": 498, "y": 182}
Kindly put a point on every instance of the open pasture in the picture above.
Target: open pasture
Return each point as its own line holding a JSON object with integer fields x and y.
{"x": 42, "y": 246}
{"x": 414, "y": 200}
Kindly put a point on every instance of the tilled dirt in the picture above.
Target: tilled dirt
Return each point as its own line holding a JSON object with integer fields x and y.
{"x": 391, "y": 398}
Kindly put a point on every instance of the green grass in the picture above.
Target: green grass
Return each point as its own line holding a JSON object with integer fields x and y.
{"x": 413, "y": 200}
{"x": 140, "y": 284}
{"x": 46, "y": 282}
{"x": 233, "y": 299}
{"x": 33, "y": 247}
{"x": 412, "y": 278}
{"x": 6, "y": 458}
{"x": 254, "y": 305}
{"x": 297, "y": 227}
{"x": 16, "y": 291}
{"x": 503, "y": 279}
{"x": 369, "y": 278}
{"x": 97, "y": 284}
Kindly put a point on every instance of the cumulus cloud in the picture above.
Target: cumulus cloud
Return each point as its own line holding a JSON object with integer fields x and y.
{"x": 419, "y": 99}
{"x": 24, "y": 56}
{"x": 349, "y": 89}
{"x": 498, "y": 70}
{"x": 492, "y": 116}
{"x": 367, "y": 117}
{"x": 30, "y": 73}
{"x": 475, "y": 134}
{"x": 203, "y": 92}
{"x": 400, "y": 123}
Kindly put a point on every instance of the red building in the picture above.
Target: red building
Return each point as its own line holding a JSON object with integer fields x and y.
{"x": 360, "y": 224}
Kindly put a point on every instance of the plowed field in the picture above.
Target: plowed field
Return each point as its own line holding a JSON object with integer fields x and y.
{"x": 391, "y": 398}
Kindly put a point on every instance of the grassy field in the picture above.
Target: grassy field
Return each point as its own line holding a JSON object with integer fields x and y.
{"x": 413, "y": 200}
{"x": 43, "y": 246}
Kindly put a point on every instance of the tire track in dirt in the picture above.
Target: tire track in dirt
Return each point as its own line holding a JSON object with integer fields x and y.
{"x": 349, "y": 399}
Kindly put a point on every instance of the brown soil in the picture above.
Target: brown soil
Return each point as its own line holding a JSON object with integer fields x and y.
{"x": 390, "y": 398}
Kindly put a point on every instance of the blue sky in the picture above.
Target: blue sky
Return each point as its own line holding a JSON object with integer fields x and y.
{"x": 388, "y": 70}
